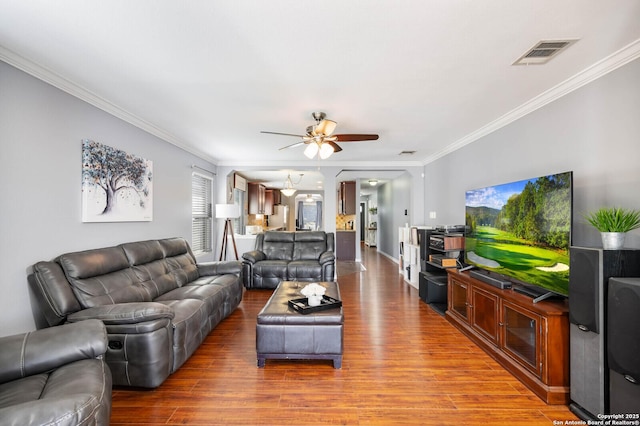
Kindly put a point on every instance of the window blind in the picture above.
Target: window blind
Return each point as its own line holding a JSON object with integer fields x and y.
{"x": 201, "y": 213}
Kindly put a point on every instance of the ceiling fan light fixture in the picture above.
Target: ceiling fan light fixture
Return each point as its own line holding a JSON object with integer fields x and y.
{"x": 320, "y": 134}
{"x": 325, "y": 151}
{"x": 311, "y": 150}
{"x": 325, "y": 127}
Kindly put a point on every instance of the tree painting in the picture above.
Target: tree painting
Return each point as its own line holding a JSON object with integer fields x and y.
{"x": 116, "y": 186}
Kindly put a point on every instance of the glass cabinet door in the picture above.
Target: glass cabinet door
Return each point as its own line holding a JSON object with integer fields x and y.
{"x": 521, "y": 338}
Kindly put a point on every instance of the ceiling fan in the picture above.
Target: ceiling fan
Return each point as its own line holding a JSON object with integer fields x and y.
{"x": 320, "y": 139}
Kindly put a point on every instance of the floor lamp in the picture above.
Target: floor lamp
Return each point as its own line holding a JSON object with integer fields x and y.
{"x": 227, "y": 212}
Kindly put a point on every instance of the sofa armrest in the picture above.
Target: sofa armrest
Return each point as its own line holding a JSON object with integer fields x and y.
{"x": 220, "y": 268}
{"x": 124, "y": 313}
{"x": 253, "y": 256}
{"x": 35, "y": 352}
{"x": 327, "y": 257}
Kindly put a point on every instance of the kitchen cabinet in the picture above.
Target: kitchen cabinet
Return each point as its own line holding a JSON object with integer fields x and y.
{"x": 530, "y": 340}
{"x": 277, "y": 196}
{"x": 268, "y": 201}
{"x": 347, "y": 198}
{"x": 346, "y": 245}
{"x": 257, "y": 198}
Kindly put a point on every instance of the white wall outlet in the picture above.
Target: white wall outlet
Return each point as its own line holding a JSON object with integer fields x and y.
{"x": 432, "y": 215}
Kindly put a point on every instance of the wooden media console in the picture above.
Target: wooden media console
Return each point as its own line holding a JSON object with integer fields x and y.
{"x": 530, "y": 340}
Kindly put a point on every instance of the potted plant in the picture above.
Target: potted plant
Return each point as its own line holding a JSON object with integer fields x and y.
{"x": 613, "y": 223}
{"x": 373, "y": 210}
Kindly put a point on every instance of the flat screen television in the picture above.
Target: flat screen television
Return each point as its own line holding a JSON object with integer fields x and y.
{"x": 521, "y": 232}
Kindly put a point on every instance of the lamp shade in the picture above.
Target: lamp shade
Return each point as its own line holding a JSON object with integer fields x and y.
{"x": 227, "y": 211}
{"x": 311, "y": 150}
{"x": 325, "y": 151}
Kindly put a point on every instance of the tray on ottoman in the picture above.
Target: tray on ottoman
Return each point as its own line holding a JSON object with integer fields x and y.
{"x": 302, "y": 305}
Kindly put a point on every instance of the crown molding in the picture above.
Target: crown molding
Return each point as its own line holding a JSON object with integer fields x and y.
{"x": 322, "y": 163}
{"x": 595, "y": 71}
{"x": 50, "y": 77}
{"x": 612, "y": 62}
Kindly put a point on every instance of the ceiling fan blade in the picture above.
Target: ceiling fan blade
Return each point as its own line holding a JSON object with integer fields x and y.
{"x": 293, "y": 145}
{"x": 278, "y": 133}
{"x": 356, "y": 137}
{"x": 336, "y": 147}
{"x": 326, "y": 127}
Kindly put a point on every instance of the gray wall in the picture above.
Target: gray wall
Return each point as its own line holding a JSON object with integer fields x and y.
{"x": 593, "y": 131}
{"x": 393, "y": 199}
{"x": 41, "y": 129}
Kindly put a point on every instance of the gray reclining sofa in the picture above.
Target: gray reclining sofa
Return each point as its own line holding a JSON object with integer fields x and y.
{"x": 289, "y": 256}
{"x": 157, "y": 303}
{"x": 56, "y": 376}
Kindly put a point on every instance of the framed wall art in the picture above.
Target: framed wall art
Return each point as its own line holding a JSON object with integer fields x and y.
{"x": 116, "y": 186}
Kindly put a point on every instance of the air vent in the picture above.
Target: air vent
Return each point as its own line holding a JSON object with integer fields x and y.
{"x": 543, "y": 51}
{"x": 407, "y": 152}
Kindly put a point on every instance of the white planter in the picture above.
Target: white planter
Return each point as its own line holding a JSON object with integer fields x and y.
{"x": 613, "y": 240}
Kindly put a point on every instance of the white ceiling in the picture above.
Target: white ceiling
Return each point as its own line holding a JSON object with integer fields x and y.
{"x": 427, "y": 76}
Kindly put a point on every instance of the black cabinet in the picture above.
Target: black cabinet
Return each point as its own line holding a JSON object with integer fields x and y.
{"x": 433, "y": 291}
{"x": 439, "y": 251}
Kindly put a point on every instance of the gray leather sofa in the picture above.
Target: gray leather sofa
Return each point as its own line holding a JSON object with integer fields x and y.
{"x": 157, "y": 303}
{"x": 289, "y": 256}
{"x": 55, "y": 376}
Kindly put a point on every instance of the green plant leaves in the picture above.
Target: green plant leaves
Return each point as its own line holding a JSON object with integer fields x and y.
{"x": 614, "y": 219}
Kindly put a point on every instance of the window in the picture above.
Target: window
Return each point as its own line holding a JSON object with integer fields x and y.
{"x": 201, "y": 216}
{"x": 239, "y": 222}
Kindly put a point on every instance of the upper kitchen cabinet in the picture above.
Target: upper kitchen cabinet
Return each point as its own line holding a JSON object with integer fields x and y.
{"x": 347, "y": 198}
{"x": 272, "y": 198}
{"x": 257, "y": 198}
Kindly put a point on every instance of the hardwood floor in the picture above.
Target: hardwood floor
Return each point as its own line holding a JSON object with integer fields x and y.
{"x": 403, "y": 364}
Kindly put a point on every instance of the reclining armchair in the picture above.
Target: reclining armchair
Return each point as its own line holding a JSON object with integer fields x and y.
{"x": 56, "y": 376}
{"x": 289, "y": 256}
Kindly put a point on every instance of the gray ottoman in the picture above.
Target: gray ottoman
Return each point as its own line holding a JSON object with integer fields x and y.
{"x": 283, "y": 333}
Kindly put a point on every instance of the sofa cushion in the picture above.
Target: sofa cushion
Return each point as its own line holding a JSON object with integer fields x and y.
{"x": 73, "y": 394}
{"x": 304, "y": 270}
{"x": 150, "y": 267}
{"x": 183, "y": 268}
{"x": 162, "y": 265}
{"x": 211, "y": 295}
{"x": 156, "y": 277}
{"x": 188, "y": 325}
{"x": 179, "y": 260}
{"x": 70, "y": 395}
{"x": 309, "y": 245}
{"x": 278, "y": 245}
{"x": 142, "y": 252}
{"x": 271, "y": 269}
{"x": 22, "y": 390}
{"x": 58, "y": 299}
{"x": 102, "y": 277}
